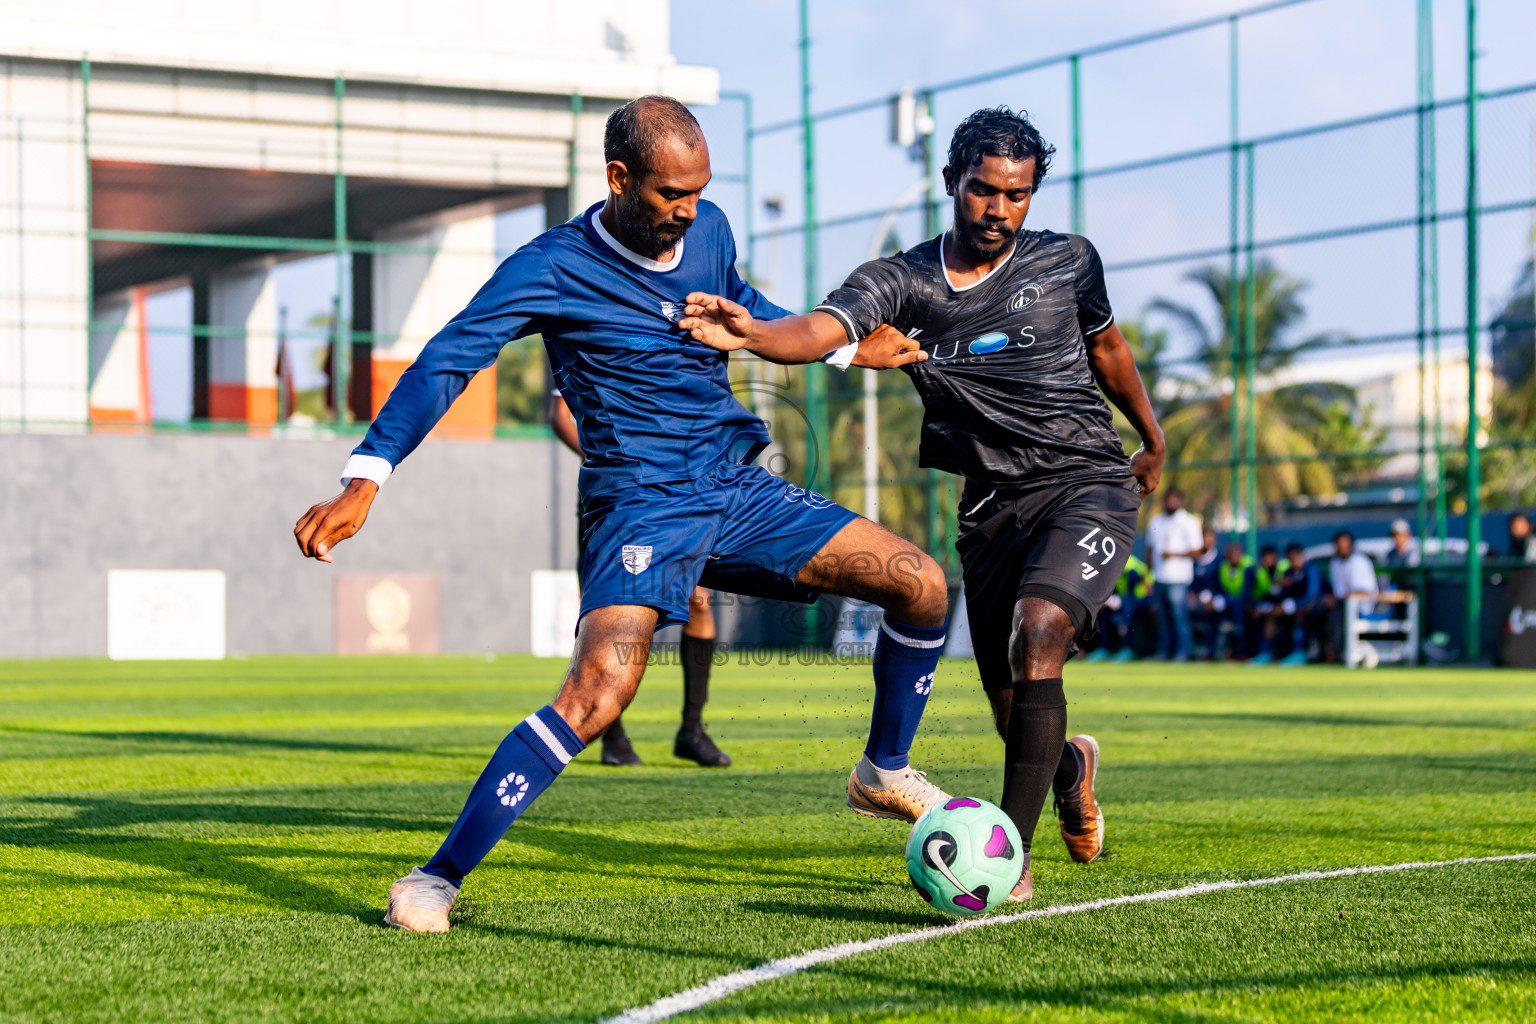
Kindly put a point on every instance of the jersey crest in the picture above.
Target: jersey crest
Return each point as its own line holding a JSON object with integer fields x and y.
{"x": 636, "y": 558}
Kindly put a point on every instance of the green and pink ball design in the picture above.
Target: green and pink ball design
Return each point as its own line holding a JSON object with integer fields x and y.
{"x": 964, "y": 856}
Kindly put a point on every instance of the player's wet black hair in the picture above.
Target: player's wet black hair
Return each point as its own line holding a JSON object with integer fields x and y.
{"x": 637, "y": 129}
{"x": 998, "y": 131}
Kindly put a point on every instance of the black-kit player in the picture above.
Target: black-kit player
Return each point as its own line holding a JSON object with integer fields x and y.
{"x": 1019, "y": 341}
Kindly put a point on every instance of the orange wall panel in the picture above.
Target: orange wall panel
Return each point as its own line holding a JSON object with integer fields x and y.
{"x": 472, "y": 414}
{"x": 242, "y": 403}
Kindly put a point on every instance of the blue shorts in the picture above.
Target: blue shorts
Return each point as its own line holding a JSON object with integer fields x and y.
{"x": 737, "y": 528}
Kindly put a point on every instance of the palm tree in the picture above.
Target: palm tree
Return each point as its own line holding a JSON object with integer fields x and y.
{"x": 1294, "y": 422}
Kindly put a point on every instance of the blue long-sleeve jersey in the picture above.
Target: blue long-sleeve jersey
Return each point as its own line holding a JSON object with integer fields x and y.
{"x": 651, "y": 404}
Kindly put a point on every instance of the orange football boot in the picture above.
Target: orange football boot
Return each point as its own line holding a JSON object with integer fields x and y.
{"x": 1024, "y": 890}
{"x": 1082, "y": 822}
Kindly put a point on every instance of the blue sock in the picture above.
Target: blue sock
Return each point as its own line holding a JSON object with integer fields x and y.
{"x": 522, "y": 767}
{"x": 906, "y": 658}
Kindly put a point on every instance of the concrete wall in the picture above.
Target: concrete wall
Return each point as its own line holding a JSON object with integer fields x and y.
{"x": 479, "y": 515}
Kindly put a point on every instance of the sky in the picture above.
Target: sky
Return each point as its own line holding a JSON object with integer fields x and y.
{"x": 1318, "y": 62}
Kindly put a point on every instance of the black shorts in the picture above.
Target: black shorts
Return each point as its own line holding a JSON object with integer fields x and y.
{"x": 1066, "y": 544}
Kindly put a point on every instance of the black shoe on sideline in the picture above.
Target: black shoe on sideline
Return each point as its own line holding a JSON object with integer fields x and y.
{"x": 694, "y": 744}
{"x": 618, "y": 752}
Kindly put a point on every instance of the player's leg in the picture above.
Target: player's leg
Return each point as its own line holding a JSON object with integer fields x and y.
{"x": 867, "y": 562}
{"x": 1077, "y": 551}
{"x": 778, "y": 538}
{"x": 697, "y": 653}
{"x": 612, "y": 645}
{"x": 616, "y": 750}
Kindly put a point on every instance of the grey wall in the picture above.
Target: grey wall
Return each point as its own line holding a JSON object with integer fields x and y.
{"x": 480, "y": 515}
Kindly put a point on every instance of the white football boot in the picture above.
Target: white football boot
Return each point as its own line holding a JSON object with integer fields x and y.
{"x": 903, "y": 794}
{"x": 420, "y": 902}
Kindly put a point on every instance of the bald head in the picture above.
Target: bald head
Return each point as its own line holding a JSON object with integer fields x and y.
{"x": 641, "y": 128}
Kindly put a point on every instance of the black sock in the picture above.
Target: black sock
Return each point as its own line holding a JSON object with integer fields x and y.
{"x": 615, "y": 732}
{"x": 1037, "y": 728}
{"x": 1070, "y": 771}
{"x": 698, "y": 652}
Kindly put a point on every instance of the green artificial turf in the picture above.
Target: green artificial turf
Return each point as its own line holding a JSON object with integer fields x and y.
{"x": 212, "y": 842}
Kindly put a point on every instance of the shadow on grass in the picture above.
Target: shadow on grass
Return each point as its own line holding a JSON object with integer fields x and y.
{"x": 211, "y": 839}
{"x": 1102, "y": 995}
{"x": 224, "y": 742}
{"x": 1192, "y": 719}
{"x": 1363, "y": 776}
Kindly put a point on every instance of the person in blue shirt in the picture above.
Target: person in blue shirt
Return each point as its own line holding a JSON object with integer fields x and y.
{"x": 669, "y": 496}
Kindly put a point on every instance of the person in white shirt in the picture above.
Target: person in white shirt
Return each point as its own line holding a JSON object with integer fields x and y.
{"x": 1351, "y": 573}
{"x": 1174, "y": 541}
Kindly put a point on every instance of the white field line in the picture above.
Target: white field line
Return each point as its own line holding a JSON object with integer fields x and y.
{"x": 727, "y": 984}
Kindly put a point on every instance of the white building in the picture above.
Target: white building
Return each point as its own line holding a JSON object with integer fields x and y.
{"x": 232, "y": 119}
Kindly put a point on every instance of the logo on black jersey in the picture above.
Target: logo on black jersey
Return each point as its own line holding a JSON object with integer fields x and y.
{"x": 1024, "y": 298}
{"x": 988, "y": 343}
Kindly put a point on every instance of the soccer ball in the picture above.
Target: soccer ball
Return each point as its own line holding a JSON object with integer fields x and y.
{"x": 964, "y": 856}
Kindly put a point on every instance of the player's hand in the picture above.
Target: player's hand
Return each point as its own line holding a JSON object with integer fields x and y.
{"x": 717, "y": 322}
{"x": 327, "y": 524}
{"x": 885, "y": 347}
{"x": 1147, "y": 468}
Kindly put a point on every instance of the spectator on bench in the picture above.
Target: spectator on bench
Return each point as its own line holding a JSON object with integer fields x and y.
{"x": 1351, "y": 573}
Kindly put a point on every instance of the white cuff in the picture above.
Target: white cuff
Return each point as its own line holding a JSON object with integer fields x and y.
{"x": 842, "y": 358}
{"x": 366, "y": 467}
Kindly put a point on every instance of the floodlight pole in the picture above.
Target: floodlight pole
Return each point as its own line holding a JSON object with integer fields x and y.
{"x": 1474, "y": 606}
{"x": 815, "y": 373}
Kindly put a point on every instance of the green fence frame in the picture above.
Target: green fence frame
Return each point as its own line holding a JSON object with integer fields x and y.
{"x": 1243, "y": 462}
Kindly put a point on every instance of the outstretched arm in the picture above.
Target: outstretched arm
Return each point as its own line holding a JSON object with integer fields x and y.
{"x": 1114, "y": 367}
{"x": 720, "y": 323}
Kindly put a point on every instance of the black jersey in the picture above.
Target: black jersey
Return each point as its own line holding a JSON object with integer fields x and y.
{"x": 1009, "y": 400}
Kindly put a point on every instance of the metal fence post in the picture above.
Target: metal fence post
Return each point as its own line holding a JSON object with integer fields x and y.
{"x": 1250, "y": 343}
{"x": 745, "y": 99}
{"x": 1421, "y": 239}
{"x": 341, "y": 353}
{"x": 90, "y": 214}
{"x": 1077, "y": 146}
{"x": 815, "y": 374}
{"x": 1233, "y": 323}
{"x": 1474, "y": 607}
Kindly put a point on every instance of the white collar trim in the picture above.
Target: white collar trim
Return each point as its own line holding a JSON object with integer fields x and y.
{"x": 944, "y": 241}
{"x": 629, "y": 254}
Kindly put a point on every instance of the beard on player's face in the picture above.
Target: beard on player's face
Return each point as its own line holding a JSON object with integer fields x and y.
{"x": 986, "y": 246}
{"x": 643, "y": 233}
